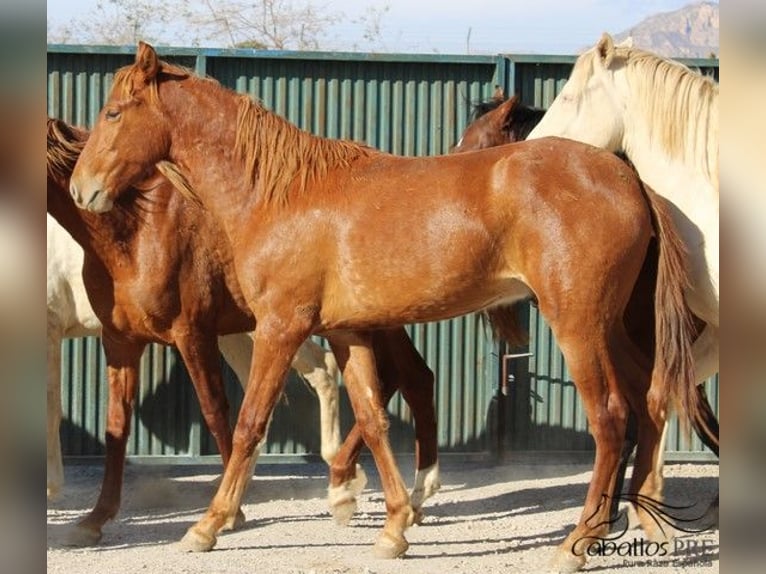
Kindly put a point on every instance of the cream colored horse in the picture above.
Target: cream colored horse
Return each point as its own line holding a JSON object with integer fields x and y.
{"x": 70, "y": 315}
{"x": 664, "y": 116}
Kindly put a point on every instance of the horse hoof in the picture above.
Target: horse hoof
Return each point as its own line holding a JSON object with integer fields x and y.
{"x": 416, "y": 517}
{"x": 81, "y": 536}
{"x": 566, "y": 562}
{"x": 53, "y": 492}
{"x": 343, "y": 510}
{"x": 236, "y": 522}
{"x": 194, "y": 541}
{"x": 342, "y": 498}
{"x": 389, "y": 547}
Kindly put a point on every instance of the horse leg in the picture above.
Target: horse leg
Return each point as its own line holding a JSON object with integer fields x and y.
{"x": 596, "y": 375}
{"x": 274, "y": 345}
{"x": 237, "y": 350}
{"x": 399, "y": 366}
{"x": 200, "y": 355}
{"x": 416, "y": 383}
{"x": 706, "y": 427}
{"x": 356, "y": 358}
{"x": 347, "y": 478}
{"x": 314, "y": 364}
{"x": 123, "y": 360}
{"x": 55, "y": 465}
{"x": 318, "y": 367}
{"x": 631, "y": 438}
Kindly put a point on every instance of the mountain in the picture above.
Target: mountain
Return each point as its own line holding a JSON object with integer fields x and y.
{"x": 689, "y": 32}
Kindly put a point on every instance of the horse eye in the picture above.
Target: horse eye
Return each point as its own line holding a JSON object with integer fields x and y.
{"x": 112, "y": 114}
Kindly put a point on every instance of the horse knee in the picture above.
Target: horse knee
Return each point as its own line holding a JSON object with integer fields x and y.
{"x": 373, "y": 424}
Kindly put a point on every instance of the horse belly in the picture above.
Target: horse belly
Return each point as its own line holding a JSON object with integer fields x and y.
{"x": 405, "y": 286}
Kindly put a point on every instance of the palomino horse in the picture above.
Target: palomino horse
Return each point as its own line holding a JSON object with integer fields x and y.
{"x": 159, "y": 271}
{"x": 69, "y": 315}
{"x": 500, "y": 121}
{"x": 315, "y": 231}
{"x": 664, "y": 117}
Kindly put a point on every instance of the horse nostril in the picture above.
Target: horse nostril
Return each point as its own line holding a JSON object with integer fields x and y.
{"x": 73, "y": 191}
{"x": 93, "y": 198}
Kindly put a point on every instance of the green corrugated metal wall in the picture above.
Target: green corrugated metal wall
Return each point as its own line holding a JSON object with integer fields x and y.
{"x": 409, "y": 105}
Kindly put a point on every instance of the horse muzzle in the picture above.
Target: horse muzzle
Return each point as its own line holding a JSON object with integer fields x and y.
{"x": 90, "y": 197}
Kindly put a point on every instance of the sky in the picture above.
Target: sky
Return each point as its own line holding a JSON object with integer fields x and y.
{"x": 467, "y": 26}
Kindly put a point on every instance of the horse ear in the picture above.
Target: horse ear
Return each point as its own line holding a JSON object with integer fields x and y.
{"x": 147, "y": 61}
{"x": 626, "y": 43}
{"x": 605, "y": 49}
{"x": 505, "y": 110}
{"x": 499, "y": 94}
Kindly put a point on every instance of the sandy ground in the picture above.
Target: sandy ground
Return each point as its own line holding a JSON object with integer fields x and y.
{"x": 488, "y": 518}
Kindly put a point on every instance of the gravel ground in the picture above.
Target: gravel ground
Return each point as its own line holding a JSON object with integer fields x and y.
{"x": 487, "y": 518}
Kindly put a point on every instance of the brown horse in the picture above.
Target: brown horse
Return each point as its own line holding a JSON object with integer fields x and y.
{"x": 315, "y": 228}
{"x": 500, "y": 121}
{"x": 158, "y": 270}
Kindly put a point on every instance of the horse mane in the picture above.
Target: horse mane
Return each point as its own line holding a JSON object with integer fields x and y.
{"x": 282, "y": 158}
{"x": 178, "y": 180}
{"x": 679, "y": 106}
{"x": 483, "y": 108}
{"x": 519, "y": 124}
{"x": 65, "y": 142}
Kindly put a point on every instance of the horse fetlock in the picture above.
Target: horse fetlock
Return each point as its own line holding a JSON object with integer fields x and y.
{"x": 342, "y": 498}
{"x": 426, "y": 484}
{"x": 234, "y": 522}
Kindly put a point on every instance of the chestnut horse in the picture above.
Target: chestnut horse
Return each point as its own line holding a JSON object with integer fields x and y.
{"x": 315, "y": 226}
{"x": 157, "y": 270}
{"x": 500, "y": 121}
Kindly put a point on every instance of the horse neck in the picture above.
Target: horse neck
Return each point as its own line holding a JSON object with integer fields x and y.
{"x": 213, "y": 170}
{"x": 686, "y": 183}
{"x": 697, "y": 161}
{"x": 97, "y": 234}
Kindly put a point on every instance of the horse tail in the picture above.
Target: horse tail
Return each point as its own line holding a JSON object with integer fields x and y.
{"x": 673, "y": 381}
{"x": 506, "y": 325}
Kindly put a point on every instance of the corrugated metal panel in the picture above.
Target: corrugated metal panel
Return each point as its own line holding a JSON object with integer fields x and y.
{"x": 407, "y": 108}
{"x": 163, "y": 417}
{"x": 546, "y": 412}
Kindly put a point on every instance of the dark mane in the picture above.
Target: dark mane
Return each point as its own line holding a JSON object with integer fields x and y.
{"x": 521, "y": 121}
{"x": 65, "y": 142}
{"x": 482, "y": 108}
